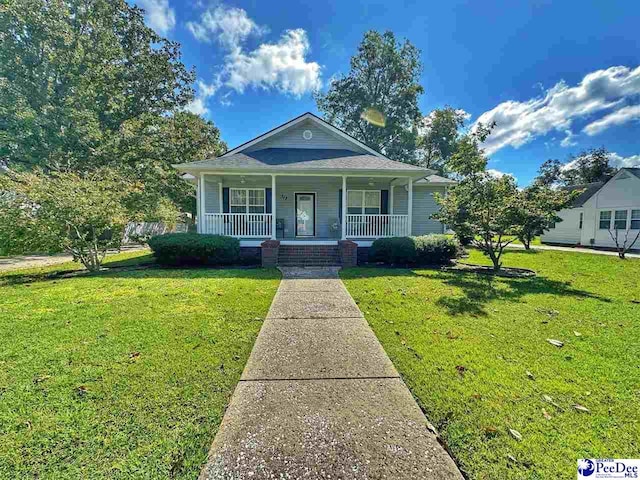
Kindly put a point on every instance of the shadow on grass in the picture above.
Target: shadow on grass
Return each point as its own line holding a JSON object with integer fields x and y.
{"x": 478, "y": 290}
{"x": 141, "y": 268}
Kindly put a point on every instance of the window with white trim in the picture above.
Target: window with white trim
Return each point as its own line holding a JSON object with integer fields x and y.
{"x": 361, "y": 202}
{"x": 620, "y": 222}
{"x": 605, "y": 220}
{"x": 247, "y": 200}
{"x": 635, "y": 219}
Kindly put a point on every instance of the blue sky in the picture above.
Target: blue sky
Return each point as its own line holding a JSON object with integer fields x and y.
{"x": 556, "y": 76}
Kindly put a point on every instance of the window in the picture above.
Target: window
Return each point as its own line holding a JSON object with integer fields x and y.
{"x": 635, "y": 219}
{"x": 605, "y": 220}
{"x": 246, "y": 200}
{"x": 363, "y": 202}
{"x": 620, "y": 222}
{"x": 580, "y": 222}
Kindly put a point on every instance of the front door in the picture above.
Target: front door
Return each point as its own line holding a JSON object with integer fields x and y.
{"x": 305, "y": 214}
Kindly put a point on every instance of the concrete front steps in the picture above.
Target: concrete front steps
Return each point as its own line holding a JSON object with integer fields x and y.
{"x": 308, "y": 256}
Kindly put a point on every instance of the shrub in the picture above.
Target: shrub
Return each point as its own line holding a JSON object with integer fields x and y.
{"x": 424, "y": 250}
{"x": 195, "y": 249}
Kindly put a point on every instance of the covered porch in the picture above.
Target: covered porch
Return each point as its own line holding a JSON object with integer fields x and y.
{"x": 316, "y": 208}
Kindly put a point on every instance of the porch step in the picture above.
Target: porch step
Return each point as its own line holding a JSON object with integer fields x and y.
{"x": 308, "y": 255}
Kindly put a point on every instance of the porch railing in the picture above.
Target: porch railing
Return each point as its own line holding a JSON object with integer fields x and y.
{"x": 377, "y": 226}
{"x": 242, "y": 225}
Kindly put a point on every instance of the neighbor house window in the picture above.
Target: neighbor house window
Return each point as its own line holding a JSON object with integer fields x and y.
{"x": 620, "y": 222}
{"x": 605, "y": 220}
{"x": 247, "y": 200}
{"x": 635, "y": 219}
{"x": 361, "y": 202}
{"x": 580, "y": 222}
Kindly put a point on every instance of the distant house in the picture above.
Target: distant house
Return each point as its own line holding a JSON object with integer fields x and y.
{"x": 308, "y": 183}
{"x": 599, "y": 208}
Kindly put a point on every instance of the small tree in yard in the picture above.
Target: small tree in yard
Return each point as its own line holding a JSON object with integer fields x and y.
{"x": 84, "y": 215}
{"x": 537, "y": 211}
{"x": 623, "y": 242}
{"x": 483, "y": 208}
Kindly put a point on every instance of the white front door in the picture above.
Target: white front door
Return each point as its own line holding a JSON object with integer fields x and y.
{"x": 305, "y": 214}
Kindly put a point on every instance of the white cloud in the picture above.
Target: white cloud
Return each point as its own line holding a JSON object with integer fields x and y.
{"x": 205, "y": 90}
{"x": 159, "y": 15}
{"x": 569, "y": 139}
{"x": 518, "y": 123}
{"x": 619, "y": 117}
{"x": 620, "y": 161}
{"x": 282, "y": 66}
{"x": 229, "y": 25}
{"x": 498, "y": 174}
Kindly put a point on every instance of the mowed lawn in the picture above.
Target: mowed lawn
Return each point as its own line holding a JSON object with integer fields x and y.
{"x": 123, "y": 374}
{"x": 473, "y": 349}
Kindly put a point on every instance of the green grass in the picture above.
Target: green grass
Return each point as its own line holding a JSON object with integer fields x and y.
{"x": 464, "y": 342}
{"x": 123, "y": 374}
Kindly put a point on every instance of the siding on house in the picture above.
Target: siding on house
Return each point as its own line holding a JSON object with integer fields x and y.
{"x": 566, "y": 232}
{"x": 292, "y": 138}
{"x": 424, "y": 205}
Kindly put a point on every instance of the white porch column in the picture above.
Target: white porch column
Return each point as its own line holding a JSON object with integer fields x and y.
{"x": 200, "y": 204}
{"x": 410, "y": 205}
{"x": 391, "y": 200}
{"x": 343, "y": 221}
{"x": 273, "y": 207}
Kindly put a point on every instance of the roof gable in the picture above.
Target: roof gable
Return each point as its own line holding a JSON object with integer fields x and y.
{"x": 291, "y": 135}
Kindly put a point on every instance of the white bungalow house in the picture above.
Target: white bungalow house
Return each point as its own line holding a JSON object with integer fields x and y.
{"x": 308, "y": 183}
{"x": 600, "y": 208}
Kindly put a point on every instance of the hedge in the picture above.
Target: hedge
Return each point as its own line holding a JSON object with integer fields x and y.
{"x": 195, "y": 249}
{"x": 424, "y": 250}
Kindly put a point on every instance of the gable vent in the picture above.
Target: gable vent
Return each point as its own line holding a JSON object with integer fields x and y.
{"x": 307, "y": 134}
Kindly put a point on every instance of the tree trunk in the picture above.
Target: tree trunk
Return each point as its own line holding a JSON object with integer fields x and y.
{"x": 527, "y": 243}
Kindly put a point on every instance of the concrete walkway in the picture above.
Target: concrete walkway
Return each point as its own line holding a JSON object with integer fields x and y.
{"x": 319, "y": 398}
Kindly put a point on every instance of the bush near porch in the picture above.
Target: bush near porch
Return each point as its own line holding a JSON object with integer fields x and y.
{"x": 474, "y": 350}
{"x": 423, "y": 250}
{"x": 178, "y": 249}
{"x": 121, "y": 374}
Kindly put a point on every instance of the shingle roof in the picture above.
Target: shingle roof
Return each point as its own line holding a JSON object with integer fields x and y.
{"x": 634, "y": 170}
{"x": 588, "y": 191}
{"x": 300, "y": 159}
{"x": 435, "y": 179}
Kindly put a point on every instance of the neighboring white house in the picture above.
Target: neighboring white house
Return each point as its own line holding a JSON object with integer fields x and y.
{"x": 600, "y": 208}
{"x": 308, "y": 183}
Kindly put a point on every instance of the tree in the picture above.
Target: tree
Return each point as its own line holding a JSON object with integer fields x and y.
{"x": 468, "y": 157}
{"x": 537, "y": 209}
{"x": 439, "y": 136}
{"x": 377, "y": 101}
{"x": 86, "y": 84}
{"x": 483, "y": 208}
{"x": 84, "y": 215}
{"x": 623, "y": 243}
{"x": 588, "y": 166}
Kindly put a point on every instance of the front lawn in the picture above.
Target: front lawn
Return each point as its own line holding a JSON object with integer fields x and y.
{"x": 473, "y": 349}
{"x": 123, "y": 374}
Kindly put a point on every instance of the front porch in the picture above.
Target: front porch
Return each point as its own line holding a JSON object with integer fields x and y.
{"x": 304, "y": 209}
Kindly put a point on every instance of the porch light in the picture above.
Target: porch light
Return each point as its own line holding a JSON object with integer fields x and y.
{"x": 371, "y": 182}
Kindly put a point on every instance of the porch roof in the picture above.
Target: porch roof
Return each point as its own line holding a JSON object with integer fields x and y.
{"x": 304, "y": 160}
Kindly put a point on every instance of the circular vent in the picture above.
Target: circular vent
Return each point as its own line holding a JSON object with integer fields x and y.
{"x": 307, "y": 135}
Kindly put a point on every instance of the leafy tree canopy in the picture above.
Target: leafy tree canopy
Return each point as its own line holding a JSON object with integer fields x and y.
{"x": 587, "y": 167}
{"x": 439, "y": 137}
{"x": 377, "y": 101}
{"x": 86, "y": 84}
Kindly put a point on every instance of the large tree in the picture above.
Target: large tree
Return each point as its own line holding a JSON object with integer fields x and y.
{"x": 86, "y": 84}
{"x": 588, "y": 166}
{"x": 377, "y": 101}
{"x": 438, "y": 137}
